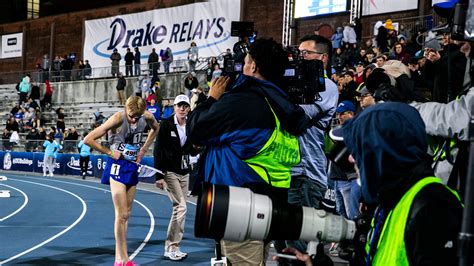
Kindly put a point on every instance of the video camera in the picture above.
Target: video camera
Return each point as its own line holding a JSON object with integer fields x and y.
{"x": 302, "y": 80}
{"x": 460, "y": 28}
{"x": 237, "y": 214}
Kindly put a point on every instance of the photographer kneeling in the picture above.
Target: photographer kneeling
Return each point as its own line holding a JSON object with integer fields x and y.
{"x": 250, "y": 136}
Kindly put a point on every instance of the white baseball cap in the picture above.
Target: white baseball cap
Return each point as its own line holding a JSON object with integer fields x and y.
{"x": 181, "y": 98}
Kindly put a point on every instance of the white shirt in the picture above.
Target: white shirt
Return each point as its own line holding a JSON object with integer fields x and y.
{"x": 181, "y": 131}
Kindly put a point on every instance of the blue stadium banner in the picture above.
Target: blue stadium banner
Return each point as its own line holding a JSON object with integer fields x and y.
{"x": 66, "y": 164}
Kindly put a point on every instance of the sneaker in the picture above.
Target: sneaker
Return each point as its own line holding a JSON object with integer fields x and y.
{"x": 173, "y": 255}
{"x": 44, "y": 174}
{"x": 130, "y": 263}
{"x": 118, "y": 263}
{"x": 51, "y": 174}
{"x": 180, "y": 253}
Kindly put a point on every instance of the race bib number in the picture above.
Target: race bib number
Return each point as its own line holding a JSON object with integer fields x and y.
{"x": 130, "y": 152}
{"x": 115, "y": 169}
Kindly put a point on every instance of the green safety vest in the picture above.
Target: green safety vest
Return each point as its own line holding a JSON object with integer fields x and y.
{"x": 276, "y": 158}
{"x": 391, "y": 246}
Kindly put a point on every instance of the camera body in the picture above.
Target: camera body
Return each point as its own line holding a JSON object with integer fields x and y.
{"x": 302, "y": 80}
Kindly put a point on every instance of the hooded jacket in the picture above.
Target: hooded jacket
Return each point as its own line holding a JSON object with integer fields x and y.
{"x": 388, "y": 142}
{"x": 238, "y": 126}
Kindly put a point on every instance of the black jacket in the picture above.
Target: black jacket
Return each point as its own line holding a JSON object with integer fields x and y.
{"x": 168, "y": 151}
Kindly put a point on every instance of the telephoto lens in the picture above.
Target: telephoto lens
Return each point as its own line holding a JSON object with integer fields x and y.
{"x": 237, "y": 214}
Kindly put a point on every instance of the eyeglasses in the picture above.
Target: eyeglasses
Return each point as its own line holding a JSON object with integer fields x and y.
{"x": 182, "y": 104}
{"x": 136, "y": 117}
{"x": 308, "y": 52}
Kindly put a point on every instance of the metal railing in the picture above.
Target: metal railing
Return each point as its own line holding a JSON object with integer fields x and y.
{"x": 427, "y": 22}
{"x": 177, "y": 66}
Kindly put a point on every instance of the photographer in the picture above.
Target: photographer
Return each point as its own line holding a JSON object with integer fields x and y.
{"x": 417, "y": 218}
{"x": 309, "y": 178}
{"x": 249, "y": 133}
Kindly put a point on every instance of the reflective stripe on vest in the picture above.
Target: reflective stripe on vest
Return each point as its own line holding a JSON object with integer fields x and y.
{"x": 390, "y": 248}
{"x": 276, "y": 158}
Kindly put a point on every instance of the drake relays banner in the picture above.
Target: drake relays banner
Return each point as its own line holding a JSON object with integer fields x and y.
{"x": 206, "y": 23}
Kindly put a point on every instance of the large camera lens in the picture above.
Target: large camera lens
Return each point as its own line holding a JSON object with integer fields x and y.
{"x": 237, "y": 214}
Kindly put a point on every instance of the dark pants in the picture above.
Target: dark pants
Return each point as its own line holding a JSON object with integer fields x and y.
{"x": 128, "y": 70}
{"x": 84, "y": 163}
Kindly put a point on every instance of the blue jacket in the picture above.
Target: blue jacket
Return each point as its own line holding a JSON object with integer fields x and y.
{"x": 237, "y": 126}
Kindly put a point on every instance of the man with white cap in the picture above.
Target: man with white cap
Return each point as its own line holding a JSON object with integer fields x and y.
{"x": 171, "y": 153}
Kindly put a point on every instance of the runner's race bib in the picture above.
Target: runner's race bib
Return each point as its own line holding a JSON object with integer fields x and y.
{"x": 130, "y": 152}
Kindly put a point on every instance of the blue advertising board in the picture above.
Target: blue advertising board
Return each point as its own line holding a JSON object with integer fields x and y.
{"x": 66, "y": 164}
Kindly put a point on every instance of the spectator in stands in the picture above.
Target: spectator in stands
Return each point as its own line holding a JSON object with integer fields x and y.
{"x": 445, "y": 69}
{"x": 56, "y": 69}
{"x": 400, "y": 54}
{"x": 41, "y": 133}
{"x": 364, "y": 97}
{"x": 70, "y": 139}
{"x": 60, "y": 125}
{"x": 145, "y": 85}
{"x": 80, "y": 73}
{"x": 167, "y": 109}
{"x": 99, "y": 119}
{"x": 349, "y": 35}
{"x": 369, "y": 58}
{"x": 348, "y": 91}
{"x": 198, "y": 97}
{"x": 210, "y": 69}
{"x": 67, "y": 64}
{"x": 15, "y": 109}
{"x": 25, "y": 87}
{"x": 30, "y": 104}
{"x": 382, "y": 39}
{"x": 166, "y": 58}
{"x": 344, "y": 176}
{"x": 153, "y": 63}
{"x": 38, "y": 120}
{"x": 6, "y": 140}
{"x": 121, "y": 84}
{"x": 48, "y": 94}
{"x": 217, "y": 72}
{"x": 171, "y": 154}
{"x": 115, "y": 58}
{"x": 137, "y": 89}
{"x": 359, "y": 75}
{"x": 190, "y": 82}
{"x": 380, "y": 60}
{"x": 361, "y": 55}
{"x": 193, "y": 56}
{"x": 87, "y": 69}
{"x": 137, "y": 62}
{"x": 32, "y": 140}
{"x": 84, "y": 156}
{"x": 45, "y": 65}
{"x": 129, "y": 63}
{"x": 336, "y": 39}
{"x": 12, "y": 125}
{"x": 154, "y": 109}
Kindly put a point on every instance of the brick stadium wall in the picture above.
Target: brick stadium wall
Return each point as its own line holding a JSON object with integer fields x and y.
{"x": 68, "y": 28}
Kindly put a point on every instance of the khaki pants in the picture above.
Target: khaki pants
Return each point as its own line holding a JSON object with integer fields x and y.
{"x": 177, "y": 187}
{"x": 249, "y": 252}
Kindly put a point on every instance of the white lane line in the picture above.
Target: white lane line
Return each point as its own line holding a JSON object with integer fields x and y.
{"x": 150, "y": 214}
{"x": 25, "y": 201}
{"x": 150, "y": 232}
{"x": 84, "y": 210}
